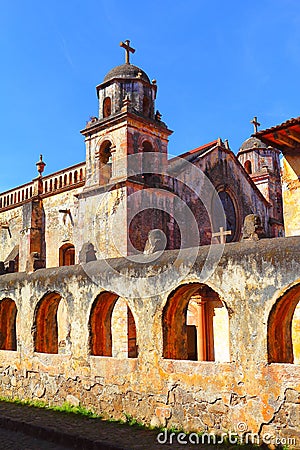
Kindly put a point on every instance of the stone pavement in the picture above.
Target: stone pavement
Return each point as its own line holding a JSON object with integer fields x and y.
{"x": 55, "y": 430}
{"x": 78, "y": 432}
{"x": 14, "y": 440}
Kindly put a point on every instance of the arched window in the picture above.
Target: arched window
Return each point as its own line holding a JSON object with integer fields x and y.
{"x": 8, "y": 314}
{"x": 195, "y": 325}
{"x": 65, "y": 179}
{"x": 231, "y": 215}
{"x": 75, "y": 176}
{"x": 67, "y": 255}
{"x": 107, "y": 107}
{"x": 45, "y": 324}
{"x": 112, "y": 327}
{"x": 70, "y": 178}
{"x": 80, "y": 175}
{"x": 146, "y": 106}
{"x": 283, "y": 328}
{"x": 148, "y": 160}
{"x": 105, "y": 157}
{"x": 248, "y": 166}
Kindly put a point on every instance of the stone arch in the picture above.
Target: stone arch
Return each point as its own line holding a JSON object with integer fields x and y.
{"x": 232, "y": 212}
{"x": 112, "y": 327}
{"x": 199, "y": 308}
{"x": 105, "y": 158}
{"x": 248, "y": 166}
{"x": 283, "y": 328}
{"x": 146, "y": 106}
{"x": 147, "y": 146}
{"x": 106, "y": 107}
{"x": 8, "y": 316}
{"x": 67, "y": 255}
{"x": 45, "y": 328}
{"x": 148, "y": 159}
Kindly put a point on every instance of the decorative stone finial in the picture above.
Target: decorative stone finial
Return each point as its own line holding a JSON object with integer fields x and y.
{"x": 252, "y": 229}
{"x": 126, "y": 103}
{"x": 40, "y": 165}
{"x": 158, "y": 116}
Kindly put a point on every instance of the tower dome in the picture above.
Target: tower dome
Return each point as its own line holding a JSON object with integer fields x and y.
{"x": 251, "y": 143}
{"x": 127, "y": 82}
{"x": 126, "y": 71}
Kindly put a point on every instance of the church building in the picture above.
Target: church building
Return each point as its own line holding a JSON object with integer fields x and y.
{"x": 164, "y": 288}
{"x": 127, "y": 186}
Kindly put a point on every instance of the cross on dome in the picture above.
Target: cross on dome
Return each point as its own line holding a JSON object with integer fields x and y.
{"x": 128, "y": 50}
{"x": 256, "y": 124}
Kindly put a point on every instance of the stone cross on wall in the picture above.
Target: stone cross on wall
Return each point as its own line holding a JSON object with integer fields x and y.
{"x": 222, "y": 235}
{"x": 256, "y": 124}
{"x": 128, "y": 50}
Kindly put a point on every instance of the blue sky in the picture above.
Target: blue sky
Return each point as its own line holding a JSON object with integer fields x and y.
{"x": 217, "y": 64}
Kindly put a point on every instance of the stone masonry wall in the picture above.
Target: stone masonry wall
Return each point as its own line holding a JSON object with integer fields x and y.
{"x": 193, "y": 395}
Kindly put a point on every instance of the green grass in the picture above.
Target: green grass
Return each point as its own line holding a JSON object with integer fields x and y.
{"x": 65, "y": 407}
{"x": 129, "y": 420}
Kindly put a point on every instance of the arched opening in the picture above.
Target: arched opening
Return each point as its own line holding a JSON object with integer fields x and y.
{"x": 45, "y": 324}
{"x": 146, "y": 106}
{"x": 75, "y": 176}
{"x": 107, "y": 107}
{"x": 283, "y": 328}
{"x": 105, "y": 157}
{"x": 195, "y": 325}
{"x": 67, "y": 255}
{"x": 8, "y": 335}
{"x": 231, "y": 215}
{"x": 112, "y": 327}
{"x": 148, "y": 161}
{"x": 248, "y": 166}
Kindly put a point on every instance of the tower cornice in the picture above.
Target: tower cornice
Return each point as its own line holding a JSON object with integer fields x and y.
{"x": 126, "y": 116}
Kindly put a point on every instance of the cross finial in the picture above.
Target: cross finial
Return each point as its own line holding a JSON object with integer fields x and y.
{"x": 256, "y": 124}
{"x": 222, "y": 235}
{"x": 128, "y": 50}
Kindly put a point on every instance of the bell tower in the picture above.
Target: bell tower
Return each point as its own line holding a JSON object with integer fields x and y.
{"x": 126, "y": 146}
{"x": 262, "y": 164}
{"x": 127, "y": 124}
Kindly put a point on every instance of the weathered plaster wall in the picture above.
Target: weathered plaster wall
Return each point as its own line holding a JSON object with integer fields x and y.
{"x": 14, "y": 219}
{"x": 291, "y": 195}
{"x": 60, "y": 228}
{"x": 188, "y": 394}
{"x": 226, "y": 174}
